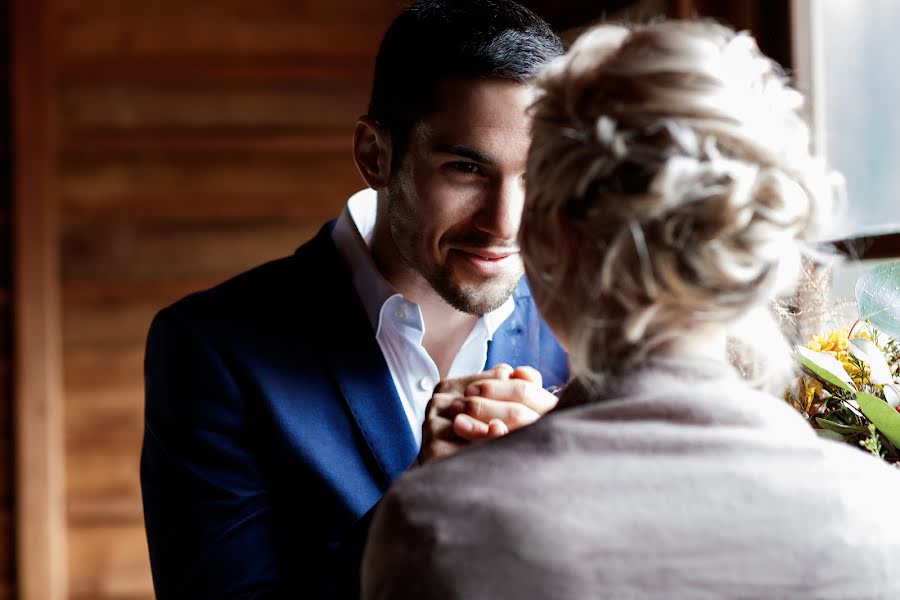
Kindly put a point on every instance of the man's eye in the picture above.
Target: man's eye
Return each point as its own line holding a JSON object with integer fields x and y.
{"x": 465, "y": 167}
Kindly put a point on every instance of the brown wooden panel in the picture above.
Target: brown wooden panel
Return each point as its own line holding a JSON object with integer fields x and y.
{"x": 109, "y": 561}
{"x": 222, "y": 105}
{"x": 575, "y": 14}
{"x": 7, "y": 574}
{"x": 101, "y": 330}
{"x": 7, "y": 562}
{"x": 6, "y": 493}
{"x": 270, "y": 10}
{"x": 7, "y": 541}
{"x": 102, "y": 487}
{"x": 102, "y": 477}
{"x": 102, "y": 326}
{"x": 231, "y": 69}
{"x": 243, "y": 186}
{"x": 130, "y": 251}
{"x": 175, "y": 143}
{"x": 236, "y": 173}
{"x": 767, "y": 20}
{"x": 188, "y": 183}
{"x": 189, "y": 31}
{"x": 104, "y": 428}
{"x": 40, "y": 506}
{"x": 120, "y": 367}
{"x": 161, "y": 293}
{"x": 6, "y": 420}
{"x": 105, "y": 394}
{"x": 7, "y": 559}
{"x": 104, "y": 415}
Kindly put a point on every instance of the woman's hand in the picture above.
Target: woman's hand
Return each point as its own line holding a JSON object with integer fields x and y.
{"x": 482, "y": 406}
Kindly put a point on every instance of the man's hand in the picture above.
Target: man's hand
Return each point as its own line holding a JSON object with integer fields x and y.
{"x": 482, "y": 406}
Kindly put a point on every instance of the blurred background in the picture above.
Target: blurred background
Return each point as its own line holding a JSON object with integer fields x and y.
{"x": 150, "y": 148}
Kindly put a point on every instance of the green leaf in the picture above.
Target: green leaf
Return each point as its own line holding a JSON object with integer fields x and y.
{"x": 840, "y": 427}
{"x": 825, "y": 367}
{"x": 878, "y": 297}
{"x": 831, "y": 435}
{"x": 885, "y": 418}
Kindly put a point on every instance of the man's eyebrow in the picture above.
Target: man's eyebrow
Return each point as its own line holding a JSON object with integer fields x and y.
{"x": 464, "y": 152}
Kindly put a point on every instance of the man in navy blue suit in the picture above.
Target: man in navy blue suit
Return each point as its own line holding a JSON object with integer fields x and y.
{"x": 281, "y": 404}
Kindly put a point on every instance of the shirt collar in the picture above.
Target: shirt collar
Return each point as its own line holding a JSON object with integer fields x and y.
{"x": 352, "y": 234}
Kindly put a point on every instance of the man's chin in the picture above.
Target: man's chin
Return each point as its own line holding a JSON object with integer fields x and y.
{"x": 477, "y": 297}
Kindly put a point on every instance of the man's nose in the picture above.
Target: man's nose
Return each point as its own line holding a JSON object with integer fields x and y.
{"x": 501, "y": 213}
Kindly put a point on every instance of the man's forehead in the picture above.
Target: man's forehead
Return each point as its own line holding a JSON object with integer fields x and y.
{"x": 478, "y": 116}
{"x": 481, "y": 103}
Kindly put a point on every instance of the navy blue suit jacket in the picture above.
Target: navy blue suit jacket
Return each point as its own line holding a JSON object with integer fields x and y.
{"x": 273, "y": 427}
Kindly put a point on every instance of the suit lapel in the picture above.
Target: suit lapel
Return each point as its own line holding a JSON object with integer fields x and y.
{"x": 358, "y": 366}
{"x": 368, "y": 390}
{"x": 524, "y": 339}
{"x": 509, "y": 344}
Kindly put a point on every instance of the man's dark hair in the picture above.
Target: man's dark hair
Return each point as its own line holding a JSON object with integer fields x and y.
{"x": 435, "y": 40}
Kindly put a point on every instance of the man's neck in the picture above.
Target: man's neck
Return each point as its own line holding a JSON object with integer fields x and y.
{"x": 446, "y": 328}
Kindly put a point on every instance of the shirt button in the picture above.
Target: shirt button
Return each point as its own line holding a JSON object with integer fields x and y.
{"x": 426, "y": 384}
{"x": 400, "y": 314}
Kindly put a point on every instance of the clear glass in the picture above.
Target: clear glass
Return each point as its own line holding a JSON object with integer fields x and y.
{"x": 861, "y": 42}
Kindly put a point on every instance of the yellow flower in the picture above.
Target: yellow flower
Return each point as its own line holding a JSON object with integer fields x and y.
{"x": 807, "y": 396}
{"x": 812, "y": 392}
{"x": 835, "y": 343}
{"x": 832, "y": 342}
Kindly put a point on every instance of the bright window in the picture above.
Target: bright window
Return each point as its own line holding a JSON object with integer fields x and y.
{"x": 859, "y": 54}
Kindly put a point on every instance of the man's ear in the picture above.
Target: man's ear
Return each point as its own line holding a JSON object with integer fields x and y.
{"x": 372, "y": 152}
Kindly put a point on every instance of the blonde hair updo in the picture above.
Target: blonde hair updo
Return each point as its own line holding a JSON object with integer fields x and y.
{"x": 669, "y": 181}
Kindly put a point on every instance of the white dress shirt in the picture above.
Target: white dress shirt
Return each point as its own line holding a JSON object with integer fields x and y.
{"x": 397, "y": 322}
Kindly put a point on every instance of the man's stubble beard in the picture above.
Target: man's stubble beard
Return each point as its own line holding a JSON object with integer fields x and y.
{"x": 473, "y": 299}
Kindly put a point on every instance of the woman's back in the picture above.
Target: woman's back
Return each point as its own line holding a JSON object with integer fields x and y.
{"x": 683, "y": 483}
{"x": 670, "y": 186}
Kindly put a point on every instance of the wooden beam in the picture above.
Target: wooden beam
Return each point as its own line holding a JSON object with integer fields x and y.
{"x": 204, "y": 142}
{"x": 879, "y": 246}
{"x": 768, "y": 21}
{"x": 290, "y": 69}
{"x": 808, "y": 59}
{"x": 682, "y": 9}
{"x": 37, "y": 374}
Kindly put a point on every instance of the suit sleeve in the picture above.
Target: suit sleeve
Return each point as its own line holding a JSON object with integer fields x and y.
{"x": 207, "y": 505}
{"x": 214, "y": 528}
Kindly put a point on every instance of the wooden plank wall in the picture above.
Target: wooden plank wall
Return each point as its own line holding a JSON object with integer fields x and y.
{"x": 198, "y": 138}
{"x": 7, "y": 540}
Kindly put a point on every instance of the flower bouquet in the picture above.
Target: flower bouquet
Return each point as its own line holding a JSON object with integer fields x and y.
{"x": 849, "y": 389}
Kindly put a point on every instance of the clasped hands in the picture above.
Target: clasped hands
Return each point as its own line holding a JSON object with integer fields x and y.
{"x": 482, "y": 406}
